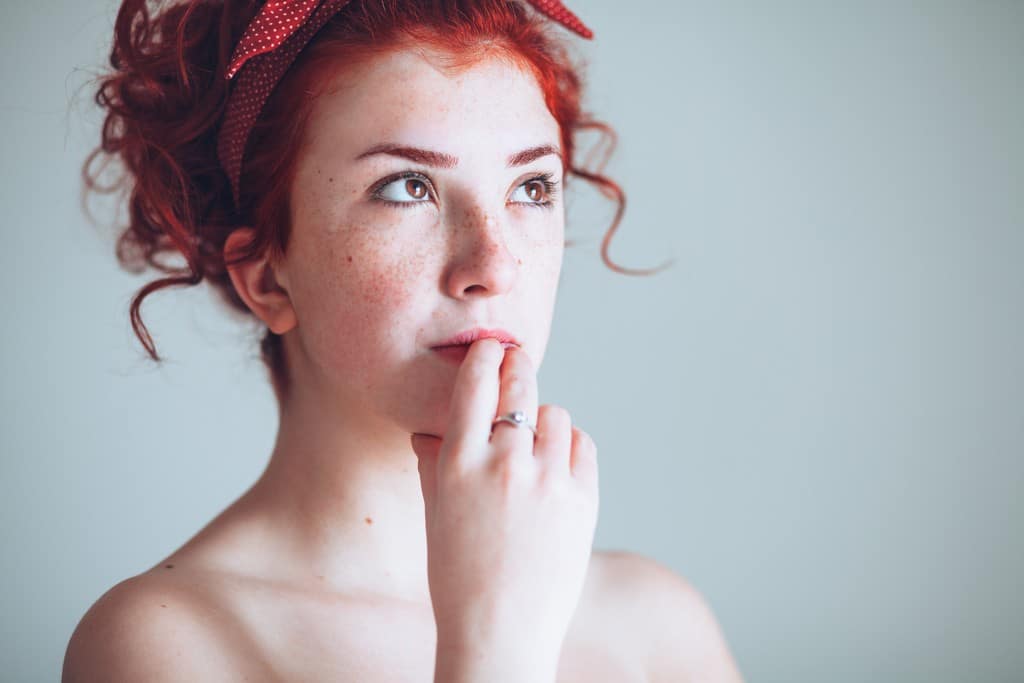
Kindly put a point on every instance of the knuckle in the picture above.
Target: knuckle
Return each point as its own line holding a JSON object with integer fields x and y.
{"x": 558, "y": 414}
{"x": 452, "y": 477}
{"x": 555, "y": 482}
{"x": 477, "y": 373}
{"x": 516, "y": 384}
{"x": 457, "y": 462}
{"x": 553, "y": 420}
{"x": 508, "y": 470}
{"x": 585, "y": 441}
{"x": 520, "y": 356}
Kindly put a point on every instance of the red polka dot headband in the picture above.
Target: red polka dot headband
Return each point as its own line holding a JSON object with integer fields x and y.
{"x": 271, "y": 43}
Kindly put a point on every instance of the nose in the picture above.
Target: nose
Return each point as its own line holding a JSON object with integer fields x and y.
{"x": 481, "y": 263}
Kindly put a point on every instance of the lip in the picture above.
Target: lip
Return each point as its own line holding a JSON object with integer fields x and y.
{"x": 469, "y": 336}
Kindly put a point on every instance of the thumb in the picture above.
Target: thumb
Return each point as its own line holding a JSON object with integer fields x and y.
{"x": 426, "y": 448}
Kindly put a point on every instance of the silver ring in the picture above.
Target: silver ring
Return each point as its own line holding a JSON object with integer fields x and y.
{"x": 517, "y": 418}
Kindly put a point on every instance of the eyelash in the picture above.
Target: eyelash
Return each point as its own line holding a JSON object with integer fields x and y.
{"x": 550, "y": 189}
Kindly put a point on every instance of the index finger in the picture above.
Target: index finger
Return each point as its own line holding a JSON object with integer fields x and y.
{"x": 475, "y": 398}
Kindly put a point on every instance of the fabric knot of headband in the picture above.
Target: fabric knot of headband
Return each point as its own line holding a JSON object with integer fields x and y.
{"x": 270, "y": 44}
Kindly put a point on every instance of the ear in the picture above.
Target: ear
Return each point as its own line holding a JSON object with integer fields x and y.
{"x": 259, "y": 285}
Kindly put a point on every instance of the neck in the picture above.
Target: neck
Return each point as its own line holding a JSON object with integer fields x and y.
{"x": 342, "y": 498}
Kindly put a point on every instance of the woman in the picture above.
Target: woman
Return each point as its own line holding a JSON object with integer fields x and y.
{"x": 386, "y": 200}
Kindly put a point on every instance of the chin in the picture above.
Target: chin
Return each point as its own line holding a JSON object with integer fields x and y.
{"x": 426, "y": 417}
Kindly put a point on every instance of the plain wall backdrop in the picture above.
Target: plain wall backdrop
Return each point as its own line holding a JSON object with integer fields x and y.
{"x": 816, "y": 415}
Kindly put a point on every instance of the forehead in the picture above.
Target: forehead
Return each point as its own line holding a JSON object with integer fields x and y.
{"x": 402, "y": 96}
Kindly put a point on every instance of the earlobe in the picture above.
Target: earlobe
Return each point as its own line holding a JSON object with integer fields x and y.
{"x": 259, "y": 286}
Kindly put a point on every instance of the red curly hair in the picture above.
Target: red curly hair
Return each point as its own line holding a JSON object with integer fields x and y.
{"x": 166, "y": 95}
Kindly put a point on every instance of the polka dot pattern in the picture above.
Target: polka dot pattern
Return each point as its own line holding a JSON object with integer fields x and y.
{"x": 266, "y": 56}
{"x": 275, "y": 21}
{"x": 269, "y": 45}
{"x": 560, "y": 13}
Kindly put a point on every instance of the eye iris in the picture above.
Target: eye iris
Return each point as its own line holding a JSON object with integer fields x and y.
{"x": 413, "y": 182}
{"x": 539, "y": 194}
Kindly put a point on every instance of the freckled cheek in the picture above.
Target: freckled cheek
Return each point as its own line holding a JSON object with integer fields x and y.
{"x": 386, "y": 291}
{"x": 366, "y": 319}
{"x": 386, "y": 273}
{"x": 375, "y": 287}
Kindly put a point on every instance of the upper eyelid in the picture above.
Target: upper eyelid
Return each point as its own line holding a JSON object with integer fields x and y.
{"x": 402, "y": 175}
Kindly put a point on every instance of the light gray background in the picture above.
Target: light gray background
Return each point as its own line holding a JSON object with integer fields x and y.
{"x": 816, "y": 416}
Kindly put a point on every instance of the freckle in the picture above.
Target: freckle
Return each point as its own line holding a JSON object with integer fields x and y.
{"x": 330, "y": 180}
{"x": 320, "y": 576}
{"x": 168, "y": 566}
{"x": 369, "y": 521}
{"x": 162, "y": 605}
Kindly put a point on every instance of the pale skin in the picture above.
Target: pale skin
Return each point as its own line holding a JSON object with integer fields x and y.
{"x": 320, "y": 570}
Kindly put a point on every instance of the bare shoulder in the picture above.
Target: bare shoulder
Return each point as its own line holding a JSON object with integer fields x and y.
{"x": 676, "y": 630}
{"x": 152, "y": 628}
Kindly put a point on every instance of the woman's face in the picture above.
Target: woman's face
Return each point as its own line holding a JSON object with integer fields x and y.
{"x": 393, "y": 253}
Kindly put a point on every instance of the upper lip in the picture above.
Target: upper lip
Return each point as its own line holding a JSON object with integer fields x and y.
{"x": 471, "y": 335}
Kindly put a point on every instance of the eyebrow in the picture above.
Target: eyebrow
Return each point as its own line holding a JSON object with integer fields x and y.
{"x": 442, "y": 160}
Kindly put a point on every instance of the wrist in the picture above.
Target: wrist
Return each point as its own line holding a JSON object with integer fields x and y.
{"x": 461, "y": 659}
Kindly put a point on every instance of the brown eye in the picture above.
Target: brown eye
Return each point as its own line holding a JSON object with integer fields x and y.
{"x": 535, "y": 190}
{"x": 539, "y": 190}
{"x": 409, "y": 190}
{"x": 416, "y": 188}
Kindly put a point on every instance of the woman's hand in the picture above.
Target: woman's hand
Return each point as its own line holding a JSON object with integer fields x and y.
{"x": 510, "y": 521}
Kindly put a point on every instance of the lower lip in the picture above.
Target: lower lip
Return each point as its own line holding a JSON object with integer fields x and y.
{"x": 457, "y": 354}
